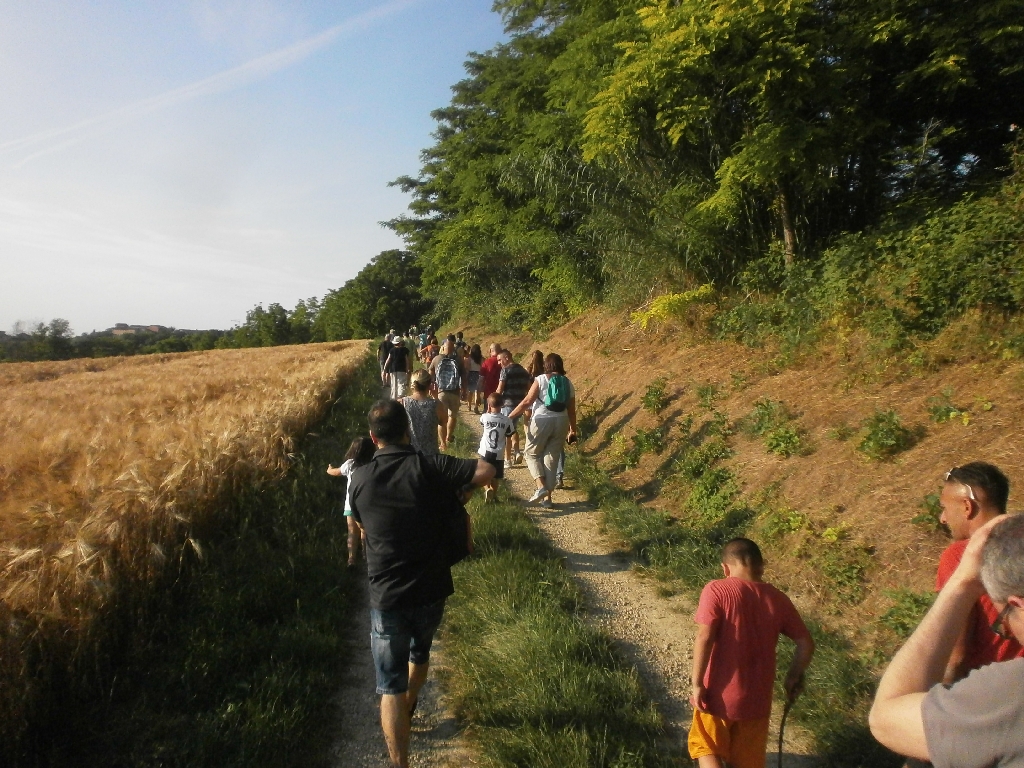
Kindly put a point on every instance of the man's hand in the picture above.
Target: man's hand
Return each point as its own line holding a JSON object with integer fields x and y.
{"x": 968, "y": 572}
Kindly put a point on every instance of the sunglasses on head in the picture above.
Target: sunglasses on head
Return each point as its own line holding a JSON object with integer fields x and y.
{"x": 950, "y": 478}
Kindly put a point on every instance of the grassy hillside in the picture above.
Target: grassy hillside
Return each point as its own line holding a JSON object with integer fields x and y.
{"x": 830, "y": 463}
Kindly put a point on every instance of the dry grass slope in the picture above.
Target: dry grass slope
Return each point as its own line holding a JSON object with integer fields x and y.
{"x": 112, "y": 472}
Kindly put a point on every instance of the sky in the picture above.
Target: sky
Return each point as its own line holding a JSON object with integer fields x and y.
{"x": 179, "y": 162}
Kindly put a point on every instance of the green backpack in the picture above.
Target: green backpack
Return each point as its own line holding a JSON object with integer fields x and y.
{"x": 557, "y": 395}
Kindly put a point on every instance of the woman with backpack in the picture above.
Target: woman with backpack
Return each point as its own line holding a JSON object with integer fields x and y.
{"x": 552, "y": 399}
{"x": 359, "y": 453}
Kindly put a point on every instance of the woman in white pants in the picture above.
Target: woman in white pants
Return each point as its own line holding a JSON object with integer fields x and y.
{"x": 552, "y": 399}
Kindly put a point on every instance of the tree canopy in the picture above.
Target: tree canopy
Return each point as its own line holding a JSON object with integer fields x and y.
{"x": 613, "y": 145}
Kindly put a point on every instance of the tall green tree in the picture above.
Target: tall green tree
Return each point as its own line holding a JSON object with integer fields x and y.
{"x": 385, "y": 294}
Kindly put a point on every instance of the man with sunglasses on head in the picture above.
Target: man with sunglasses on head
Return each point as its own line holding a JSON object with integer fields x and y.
{"x": 972, "y": 495}
{"x": 976, "y": 722}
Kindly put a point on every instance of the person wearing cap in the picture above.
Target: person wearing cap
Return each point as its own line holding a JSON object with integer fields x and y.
{"x": 396, "y": 368}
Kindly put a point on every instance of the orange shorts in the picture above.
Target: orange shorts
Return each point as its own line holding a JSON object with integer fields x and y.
{"x": 741, "y": 743}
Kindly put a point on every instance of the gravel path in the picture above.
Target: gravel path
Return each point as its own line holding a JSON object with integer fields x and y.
{"x": 654, "y": 633}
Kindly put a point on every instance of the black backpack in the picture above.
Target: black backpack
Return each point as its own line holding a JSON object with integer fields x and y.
{"x": 451, "y": 513}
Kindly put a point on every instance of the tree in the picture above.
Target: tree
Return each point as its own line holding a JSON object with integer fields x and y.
{"x": 385, "y": 294}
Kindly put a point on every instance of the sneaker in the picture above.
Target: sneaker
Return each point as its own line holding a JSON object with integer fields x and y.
{"x": 539, "y": 494}
{"x": 517, "y": 458}
{"x": 558, "y": 482}
{"x": 546, "y": 503}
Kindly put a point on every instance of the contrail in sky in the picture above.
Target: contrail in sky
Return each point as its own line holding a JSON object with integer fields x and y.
{"x": 258, "y": 68}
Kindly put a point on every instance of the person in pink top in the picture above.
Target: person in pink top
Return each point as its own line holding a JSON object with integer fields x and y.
{"x": 739, "y": 620}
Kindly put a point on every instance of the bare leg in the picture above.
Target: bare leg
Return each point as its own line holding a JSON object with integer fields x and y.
{"x": 417, "y": 677}
{"x": 710, "y": 761}
{"x": 394, "y": 720}
{"x": 354, "y": 537}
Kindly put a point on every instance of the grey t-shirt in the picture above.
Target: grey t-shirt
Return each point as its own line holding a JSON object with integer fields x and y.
{"x": 979, "y": 721}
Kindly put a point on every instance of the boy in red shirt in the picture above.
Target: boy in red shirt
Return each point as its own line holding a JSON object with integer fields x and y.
{"x": 739, "y": 621}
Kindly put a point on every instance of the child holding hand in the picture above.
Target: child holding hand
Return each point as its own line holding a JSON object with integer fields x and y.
{"x": 739, "y": 620}
{"x": 497, "y": 429}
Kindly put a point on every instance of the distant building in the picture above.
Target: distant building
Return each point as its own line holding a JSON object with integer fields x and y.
{"x": 123, "y": 329}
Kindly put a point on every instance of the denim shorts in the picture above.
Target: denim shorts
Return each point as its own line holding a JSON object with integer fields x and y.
{"x": 399, "y": 637}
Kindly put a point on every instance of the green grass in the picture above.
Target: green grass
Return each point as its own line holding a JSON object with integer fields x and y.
{"x": 536, "y": 684}
{"x": 239, "y": 665}
{"x": 772, "y": 421}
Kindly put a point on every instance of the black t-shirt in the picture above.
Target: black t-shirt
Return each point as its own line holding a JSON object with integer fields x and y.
{"x": 384, "y": 349}
{"x": 399, "y": 361}
{"x": 399, "y": 498}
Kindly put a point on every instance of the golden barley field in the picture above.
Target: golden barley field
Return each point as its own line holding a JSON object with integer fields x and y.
{"x": 111, "y": 471}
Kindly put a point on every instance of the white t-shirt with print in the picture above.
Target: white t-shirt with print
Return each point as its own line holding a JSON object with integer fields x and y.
{"x": 497, "y": 427}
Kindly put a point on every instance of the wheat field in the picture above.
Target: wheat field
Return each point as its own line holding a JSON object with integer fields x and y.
{"x": 113, "y": 470}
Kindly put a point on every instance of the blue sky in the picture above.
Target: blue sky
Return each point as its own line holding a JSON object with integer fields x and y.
{"x": 180, "y": 162}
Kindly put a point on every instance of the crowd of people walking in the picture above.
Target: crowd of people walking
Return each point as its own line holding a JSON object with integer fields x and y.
{"x": 953, "y": 695}
{"x": 538, "y": 399}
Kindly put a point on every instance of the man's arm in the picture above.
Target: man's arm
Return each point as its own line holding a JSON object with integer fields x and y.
{"x": 958, "y": 656}
{"x": 895, "y": 718}
{"x": 484, "y": 473}
{"x": 530, "y": 396}
{"x": 702, "y": 646}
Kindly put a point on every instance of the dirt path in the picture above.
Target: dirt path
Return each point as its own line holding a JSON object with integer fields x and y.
{"x": 654, "y": 633}
{"x": 359, "y": 742}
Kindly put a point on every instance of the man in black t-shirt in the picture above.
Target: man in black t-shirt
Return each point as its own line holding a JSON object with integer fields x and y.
{"x": 401, "y": 499}
{"x": 397, "y": 368}
{"x": 383, "y": 350}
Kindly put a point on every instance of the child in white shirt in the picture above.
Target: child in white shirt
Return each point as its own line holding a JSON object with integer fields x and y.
{"x": 497, "y": 428}
{"x": 359, "y": 453}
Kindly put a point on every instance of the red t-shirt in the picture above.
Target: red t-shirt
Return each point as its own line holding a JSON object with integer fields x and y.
{"x": 983, "y": 645}
{"x": 490, "y": 370}
{"x": 748, "y": 617}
